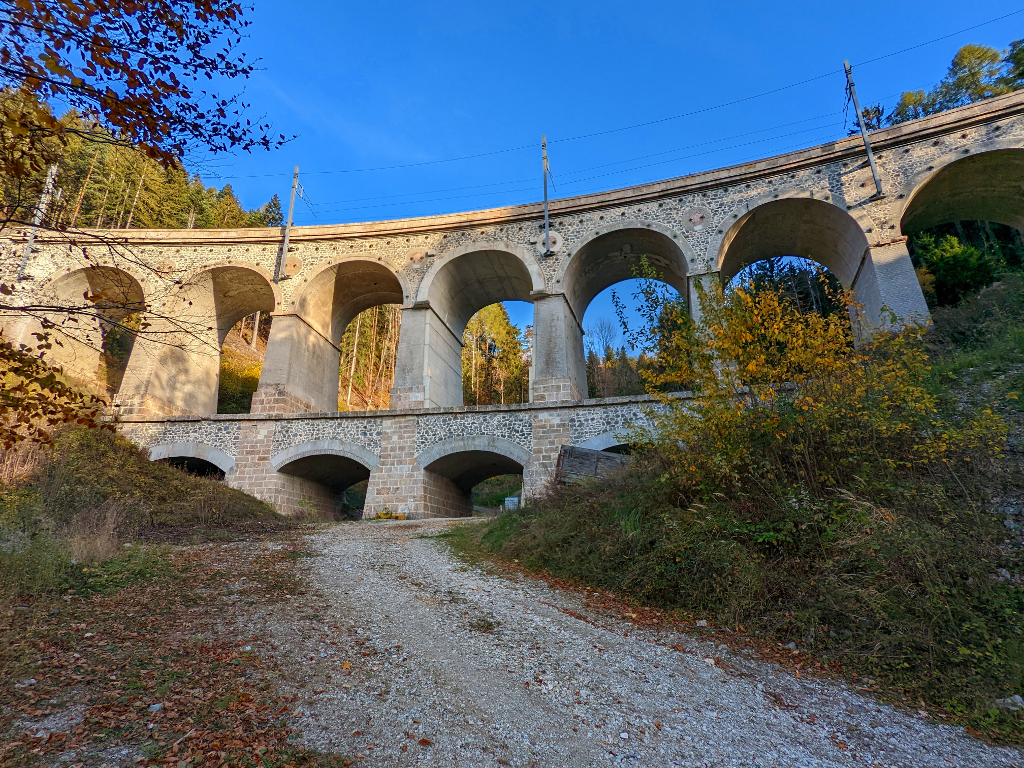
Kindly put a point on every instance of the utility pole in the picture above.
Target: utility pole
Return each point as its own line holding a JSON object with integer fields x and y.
{"x": 283, "y": 258}
{"x": 852, "y": 91}
{"x": 547, "y": 226}
{"x": 44, "y": 202}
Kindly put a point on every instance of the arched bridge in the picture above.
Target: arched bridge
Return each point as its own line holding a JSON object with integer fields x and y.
{"x": 965, "y": 164}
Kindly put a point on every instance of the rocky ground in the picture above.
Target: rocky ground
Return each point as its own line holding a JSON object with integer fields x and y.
{"x": 399, "y": 655}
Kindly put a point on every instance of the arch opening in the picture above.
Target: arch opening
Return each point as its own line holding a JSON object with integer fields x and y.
{"x": 96, "y": 348}
{"x": 964, "y": 224}
{"x": 452, "y": 468}
{"x": 336, "y": 484}
{"x": 354, "y": 308}
{"x": 195, "y": 466}
{"x": 466, "y": 469}
{"x": 236, "y": 293}
{"x": 982, "y": 187}
{"x": 808, "y": 284}
{"x": 808, "y": 229}
{"x": 495, "y": 358}
{"x": 464, "y": 285}
{"x": 615, "y": 257}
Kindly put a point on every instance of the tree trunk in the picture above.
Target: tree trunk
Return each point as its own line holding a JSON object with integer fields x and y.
{"x": 352, "y": 367}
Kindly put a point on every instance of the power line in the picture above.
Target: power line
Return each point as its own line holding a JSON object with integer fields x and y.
{"x": 621, "y": 129}
{"x": 590, "y": 178}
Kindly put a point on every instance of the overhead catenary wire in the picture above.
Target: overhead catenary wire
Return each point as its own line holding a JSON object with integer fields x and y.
{"x": 691, "y": 113}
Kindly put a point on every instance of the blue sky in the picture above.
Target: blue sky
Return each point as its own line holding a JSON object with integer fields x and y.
{"x": 375, "y": 85}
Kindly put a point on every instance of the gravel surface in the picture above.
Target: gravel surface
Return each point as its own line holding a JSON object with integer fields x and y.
{"x": 402, "y": 655}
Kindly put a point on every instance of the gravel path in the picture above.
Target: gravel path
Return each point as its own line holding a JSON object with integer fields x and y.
{"x": 401, "y": 655}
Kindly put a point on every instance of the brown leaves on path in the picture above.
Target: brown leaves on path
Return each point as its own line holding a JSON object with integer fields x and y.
{"x": 156, "y": 672}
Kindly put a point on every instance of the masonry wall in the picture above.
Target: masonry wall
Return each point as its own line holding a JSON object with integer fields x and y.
{"x": 248, "y": 447}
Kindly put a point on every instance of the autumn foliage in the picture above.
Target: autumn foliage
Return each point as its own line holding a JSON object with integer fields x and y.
{"x": 813, "y": 487}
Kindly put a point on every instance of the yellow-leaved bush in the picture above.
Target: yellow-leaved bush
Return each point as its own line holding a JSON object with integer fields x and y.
{"x": 798, "y": 476}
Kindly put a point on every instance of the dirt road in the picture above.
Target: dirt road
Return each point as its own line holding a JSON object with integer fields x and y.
{"x": 401, "y": 655}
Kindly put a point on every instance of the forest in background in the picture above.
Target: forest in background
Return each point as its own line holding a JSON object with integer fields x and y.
{"x": 103, "y": 184}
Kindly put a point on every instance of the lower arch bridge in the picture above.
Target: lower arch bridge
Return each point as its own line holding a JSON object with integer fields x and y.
{"x": 417, "y": 463}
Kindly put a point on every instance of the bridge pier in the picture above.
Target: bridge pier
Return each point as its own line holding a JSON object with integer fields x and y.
{"x": 559, "y": 362}
{"x": 300, "y": 369}
{"x": 428, "y": 365}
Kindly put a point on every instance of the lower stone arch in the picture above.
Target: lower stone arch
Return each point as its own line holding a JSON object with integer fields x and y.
{"x": 193, "y": 450}
{"x": 452, "y": 467}
{"x": 319, "y": 473}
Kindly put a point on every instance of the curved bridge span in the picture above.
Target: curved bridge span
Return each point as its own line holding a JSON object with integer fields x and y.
{"x": 965, "y": 164}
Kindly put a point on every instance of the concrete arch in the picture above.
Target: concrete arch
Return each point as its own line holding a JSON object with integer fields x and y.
{"x": 112, "y": 295}
{"x": 603, "y": 442}
{"x": 341, "y": 288}
{"x": 461, "y": 283}
{"x": 175, "y": 369}
{"x": 131, "y": 270}
{"x": 982, "y": 185}
{"x": 215, "y": 456}
{"x": 608, "y": 254}
{"x": 324, "y": 447}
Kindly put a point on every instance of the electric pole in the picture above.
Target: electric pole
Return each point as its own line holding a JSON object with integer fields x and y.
{"x": 283, "y": 257}
{"x": 44, "y": 202}
{"x": 852, "y": 90}
{"x": 546, "y": 170}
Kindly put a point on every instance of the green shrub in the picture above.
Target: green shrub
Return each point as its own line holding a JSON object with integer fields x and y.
{"x": 88, "y": 468}
{"x": 950, "y": 270}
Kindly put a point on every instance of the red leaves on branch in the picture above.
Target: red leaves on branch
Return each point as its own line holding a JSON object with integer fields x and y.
{"x": 133, "y": 68}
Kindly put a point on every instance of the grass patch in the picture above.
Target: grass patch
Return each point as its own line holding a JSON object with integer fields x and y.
{"x": 64, "y": 520}
{"x": 493, "y": 491}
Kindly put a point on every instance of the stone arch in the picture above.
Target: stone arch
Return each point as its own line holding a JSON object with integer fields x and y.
{"x": 341, "y": 288}
{"x": 327, "y": 447}
{"x": 114, "y": 295}
{"x": 460, "y": 283}
{"x": 452, "y": 467}
{"x": 474, "y": 443}
{"x": 608, "y": 254}
{"x": 320, "y": 471}
{"x": 224, "y": 292}
{"x": 803, "y": 226}
{"x": 605, "y": 256}
{"x": 193, "y": 450}
{"x": 985, "y": 185}
{"x": 175, "y": 368}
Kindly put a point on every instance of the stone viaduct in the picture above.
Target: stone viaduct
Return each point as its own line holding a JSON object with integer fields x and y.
{"x": 423, "y": 455}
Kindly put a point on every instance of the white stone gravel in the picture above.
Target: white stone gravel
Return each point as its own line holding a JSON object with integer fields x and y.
{"x": 544, "y": 687}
